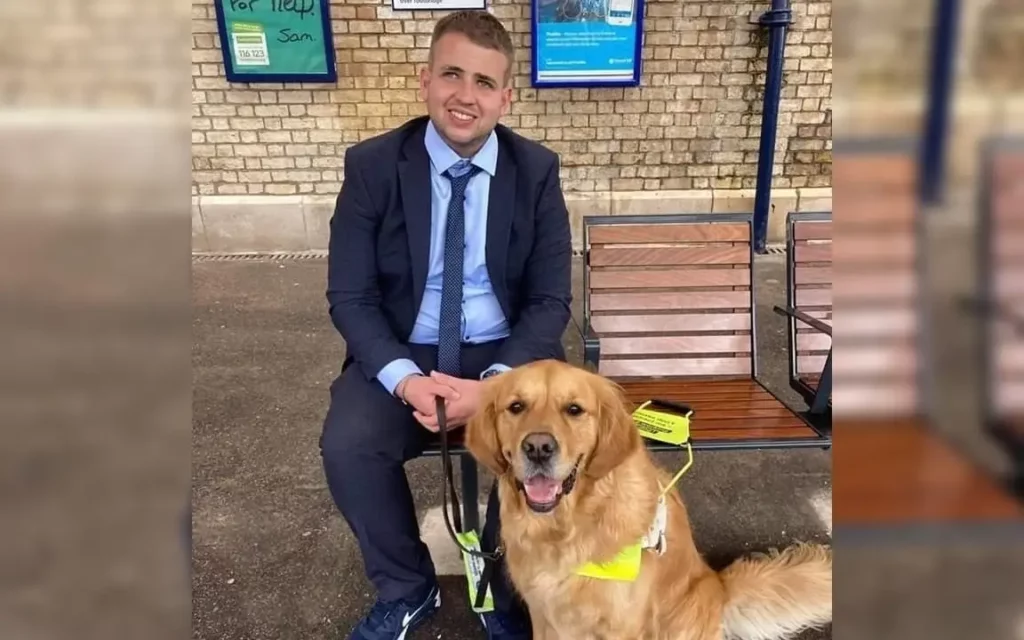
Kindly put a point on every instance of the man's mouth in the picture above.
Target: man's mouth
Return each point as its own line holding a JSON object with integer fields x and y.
{"x": 460, "y": 116}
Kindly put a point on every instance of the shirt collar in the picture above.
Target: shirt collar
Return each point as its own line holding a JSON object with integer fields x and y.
{"x": 442, "y": 157}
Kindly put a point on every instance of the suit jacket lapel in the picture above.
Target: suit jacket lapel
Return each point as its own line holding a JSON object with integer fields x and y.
{"x": 501, "y": 205}
{"x": 414, "y": 176}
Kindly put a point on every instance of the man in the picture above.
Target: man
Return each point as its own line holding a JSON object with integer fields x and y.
{"x": 449, "y": 262}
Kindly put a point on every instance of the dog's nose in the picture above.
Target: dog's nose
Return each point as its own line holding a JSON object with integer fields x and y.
{"x": 540, "y": 447}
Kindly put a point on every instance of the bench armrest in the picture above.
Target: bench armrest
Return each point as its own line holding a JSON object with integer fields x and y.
{"x": 803, "y": 317}
{"x": 591, "y": 342}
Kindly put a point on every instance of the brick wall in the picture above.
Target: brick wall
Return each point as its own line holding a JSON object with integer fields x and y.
{"x": 689, "y": 133}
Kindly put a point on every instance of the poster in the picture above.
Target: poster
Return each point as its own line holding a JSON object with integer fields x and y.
{"x": 587, "y": 43}
{"x": 276, "y": 40}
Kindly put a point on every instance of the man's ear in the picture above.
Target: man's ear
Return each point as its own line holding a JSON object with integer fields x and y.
{"x": 482, "y": 439}
{"x": 617, "y": 436}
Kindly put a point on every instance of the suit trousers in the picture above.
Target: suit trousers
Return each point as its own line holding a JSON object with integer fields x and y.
{"x": 368, "y": 435}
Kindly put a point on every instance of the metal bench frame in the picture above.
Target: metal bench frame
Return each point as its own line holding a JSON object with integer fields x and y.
{"x": 989, "y": 310}
{"x": 818, "y": 399}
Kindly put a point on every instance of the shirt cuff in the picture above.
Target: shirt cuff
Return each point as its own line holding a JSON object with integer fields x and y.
{"x": 497, "y": 366}
{"x": 394, "y": 371}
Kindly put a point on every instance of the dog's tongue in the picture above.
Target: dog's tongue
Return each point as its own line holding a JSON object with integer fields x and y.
{"x": 541, "y": 489}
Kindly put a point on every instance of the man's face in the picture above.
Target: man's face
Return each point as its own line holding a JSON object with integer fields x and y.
{"x": 464, "y": 88}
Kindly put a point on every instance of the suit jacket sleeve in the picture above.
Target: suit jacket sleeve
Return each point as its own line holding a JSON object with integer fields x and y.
{"x": 547, "y": 294}
{"x": 353, "y": 294}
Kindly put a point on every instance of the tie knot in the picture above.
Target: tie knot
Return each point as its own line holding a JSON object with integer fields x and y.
{"x": 461, "y": 172}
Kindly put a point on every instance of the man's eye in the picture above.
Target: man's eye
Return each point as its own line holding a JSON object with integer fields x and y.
{"x": 574, "y": 409}
{"x": 516, "y": 407}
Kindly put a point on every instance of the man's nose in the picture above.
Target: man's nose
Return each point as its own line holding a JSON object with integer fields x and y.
{"x": 539, "y": 447}
{"x": 464, "y": 93}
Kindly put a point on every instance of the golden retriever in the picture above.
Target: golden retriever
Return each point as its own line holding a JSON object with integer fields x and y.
{"x": 577, "y": 486}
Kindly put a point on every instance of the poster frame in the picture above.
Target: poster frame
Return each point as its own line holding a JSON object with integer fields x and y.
{"x": 329, "y": 76}
{"x": 593, "y": 83}
{"x": 461, "y": 5}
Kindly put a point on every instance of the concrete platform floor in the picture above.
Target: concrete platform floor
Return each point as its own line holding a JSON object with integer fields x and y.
{"x": 273, "y": 559}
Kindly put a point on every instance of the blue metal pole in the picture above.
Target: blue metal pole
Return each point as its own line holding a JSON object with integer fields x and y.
{"x": 940, "y": 89}
{"x": 776, "y": 20}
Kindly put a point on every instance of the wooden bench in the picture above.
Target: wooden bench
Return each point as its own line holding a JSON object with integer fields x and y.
{"x": 808, "y": 310}
{"x": 1000, "y": 287}
{"x": 892, "y": 470}
{"x": 669, "y": 314}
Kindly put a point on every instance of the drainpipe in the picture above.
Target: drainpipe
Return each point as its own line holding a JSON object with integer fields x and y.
{"x": 775, "y": 20}
{"x": 936, "y": 124}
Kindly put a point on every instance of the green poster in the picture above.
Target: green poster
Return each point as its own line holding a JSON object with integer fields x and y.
{"x": 276, "y": 40}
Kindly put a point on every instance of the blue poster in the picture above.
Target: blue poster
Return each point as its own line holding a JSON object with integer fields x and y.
{"x": 587, "y": 43}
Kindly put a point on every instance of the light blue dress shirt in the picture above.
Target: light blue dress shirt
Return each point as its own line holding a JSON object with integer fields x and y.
{"x": 482, "y": 317}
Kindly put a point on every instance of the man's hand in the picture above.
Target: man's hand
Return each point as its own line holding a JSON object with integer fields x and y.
{"x": 420, "y": 392}
{"x": 458, "y": 410}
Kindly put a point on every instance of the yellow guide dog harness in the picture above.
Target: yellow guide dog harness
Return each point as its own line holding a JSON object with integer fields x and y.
{"x": 666, "y": 427}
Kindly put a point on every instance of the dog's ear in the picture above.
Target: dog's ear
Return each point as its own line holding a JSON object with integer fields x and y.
{"x": 482, "y": 440}
{"x": 617, "y": 436}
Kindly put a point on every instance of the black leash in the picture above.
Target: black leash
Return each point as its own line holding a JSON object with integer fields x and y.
{"x": 489, "y": 557}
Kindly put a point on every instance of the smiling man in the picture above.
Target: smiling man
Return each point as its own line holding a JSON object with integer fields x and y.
{"x": 449, "y": 262}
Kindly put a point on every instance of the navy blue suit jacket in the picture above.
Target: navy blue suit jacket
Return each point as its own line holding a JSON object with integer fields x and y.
{"x": 379, "y": 247}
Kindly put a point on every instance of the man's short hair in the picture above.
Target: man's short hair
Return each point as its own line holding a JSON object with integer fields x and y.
{"x": 481, "y": 28}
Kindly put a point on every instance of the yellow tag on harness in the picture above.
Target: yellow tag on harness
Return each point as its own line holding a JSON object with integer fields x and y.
{"x": 474, "y": 566}
{"x": 662, "y": 425}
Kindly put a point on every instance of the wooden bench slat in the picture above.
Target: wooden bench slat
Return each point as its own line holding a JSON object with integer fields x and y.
{"x": 812, "y": 230}
{"x": 874, "y": 359}
{"x": 867, "y": 398}
{"x": 669, "y": 256}
{"x": 1007, "y": 208}
{"x": 1009, "y": 358}
{"x": 1008, "y": 282}
{"x": 873, "y": 323}
{"x": 812, "y": 342}
{"x": 668, "y": 232}
{"x": 726, "y": 410}
{"x": 816, "y": 297}
{"x": 680, "y": 389}
{"x": 875, "y": 212}
{"x": 812, "y": 275}
{"x": 881, "y": 285}
{"x": 670, "y": 300}
{"x": 681, "y": 278}
{"x": 874, "y": 171}
{"x": 1008, "y": 396}
{"x": 752, "y": 433}
{"x": 607, "y": 324}
{"x": 664, "y": 345}
{"x": 813, "y": 253}
{"x": 811, "y": 363}
{"x": 675, "y": 367}
{"x": 1009, "y": 246}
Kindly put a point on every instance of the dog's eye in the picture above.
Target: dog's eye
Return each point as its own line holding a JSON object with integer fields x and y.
{"x": 574, "y": 409}
{"x": 516, "y": 407}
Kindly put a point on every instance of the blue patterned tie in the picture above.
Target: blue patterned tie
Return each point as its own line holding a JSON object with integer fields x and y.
{"x": 449, "y": 338}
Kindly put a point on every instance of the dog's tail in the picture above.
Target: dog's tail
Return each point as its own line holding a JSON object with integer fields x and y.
{"x": 775, "y": 595}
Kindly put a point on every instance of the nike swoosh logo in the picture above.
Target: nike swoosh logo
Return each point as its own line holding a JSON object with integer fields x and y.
{"x": 407, "y": 619}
